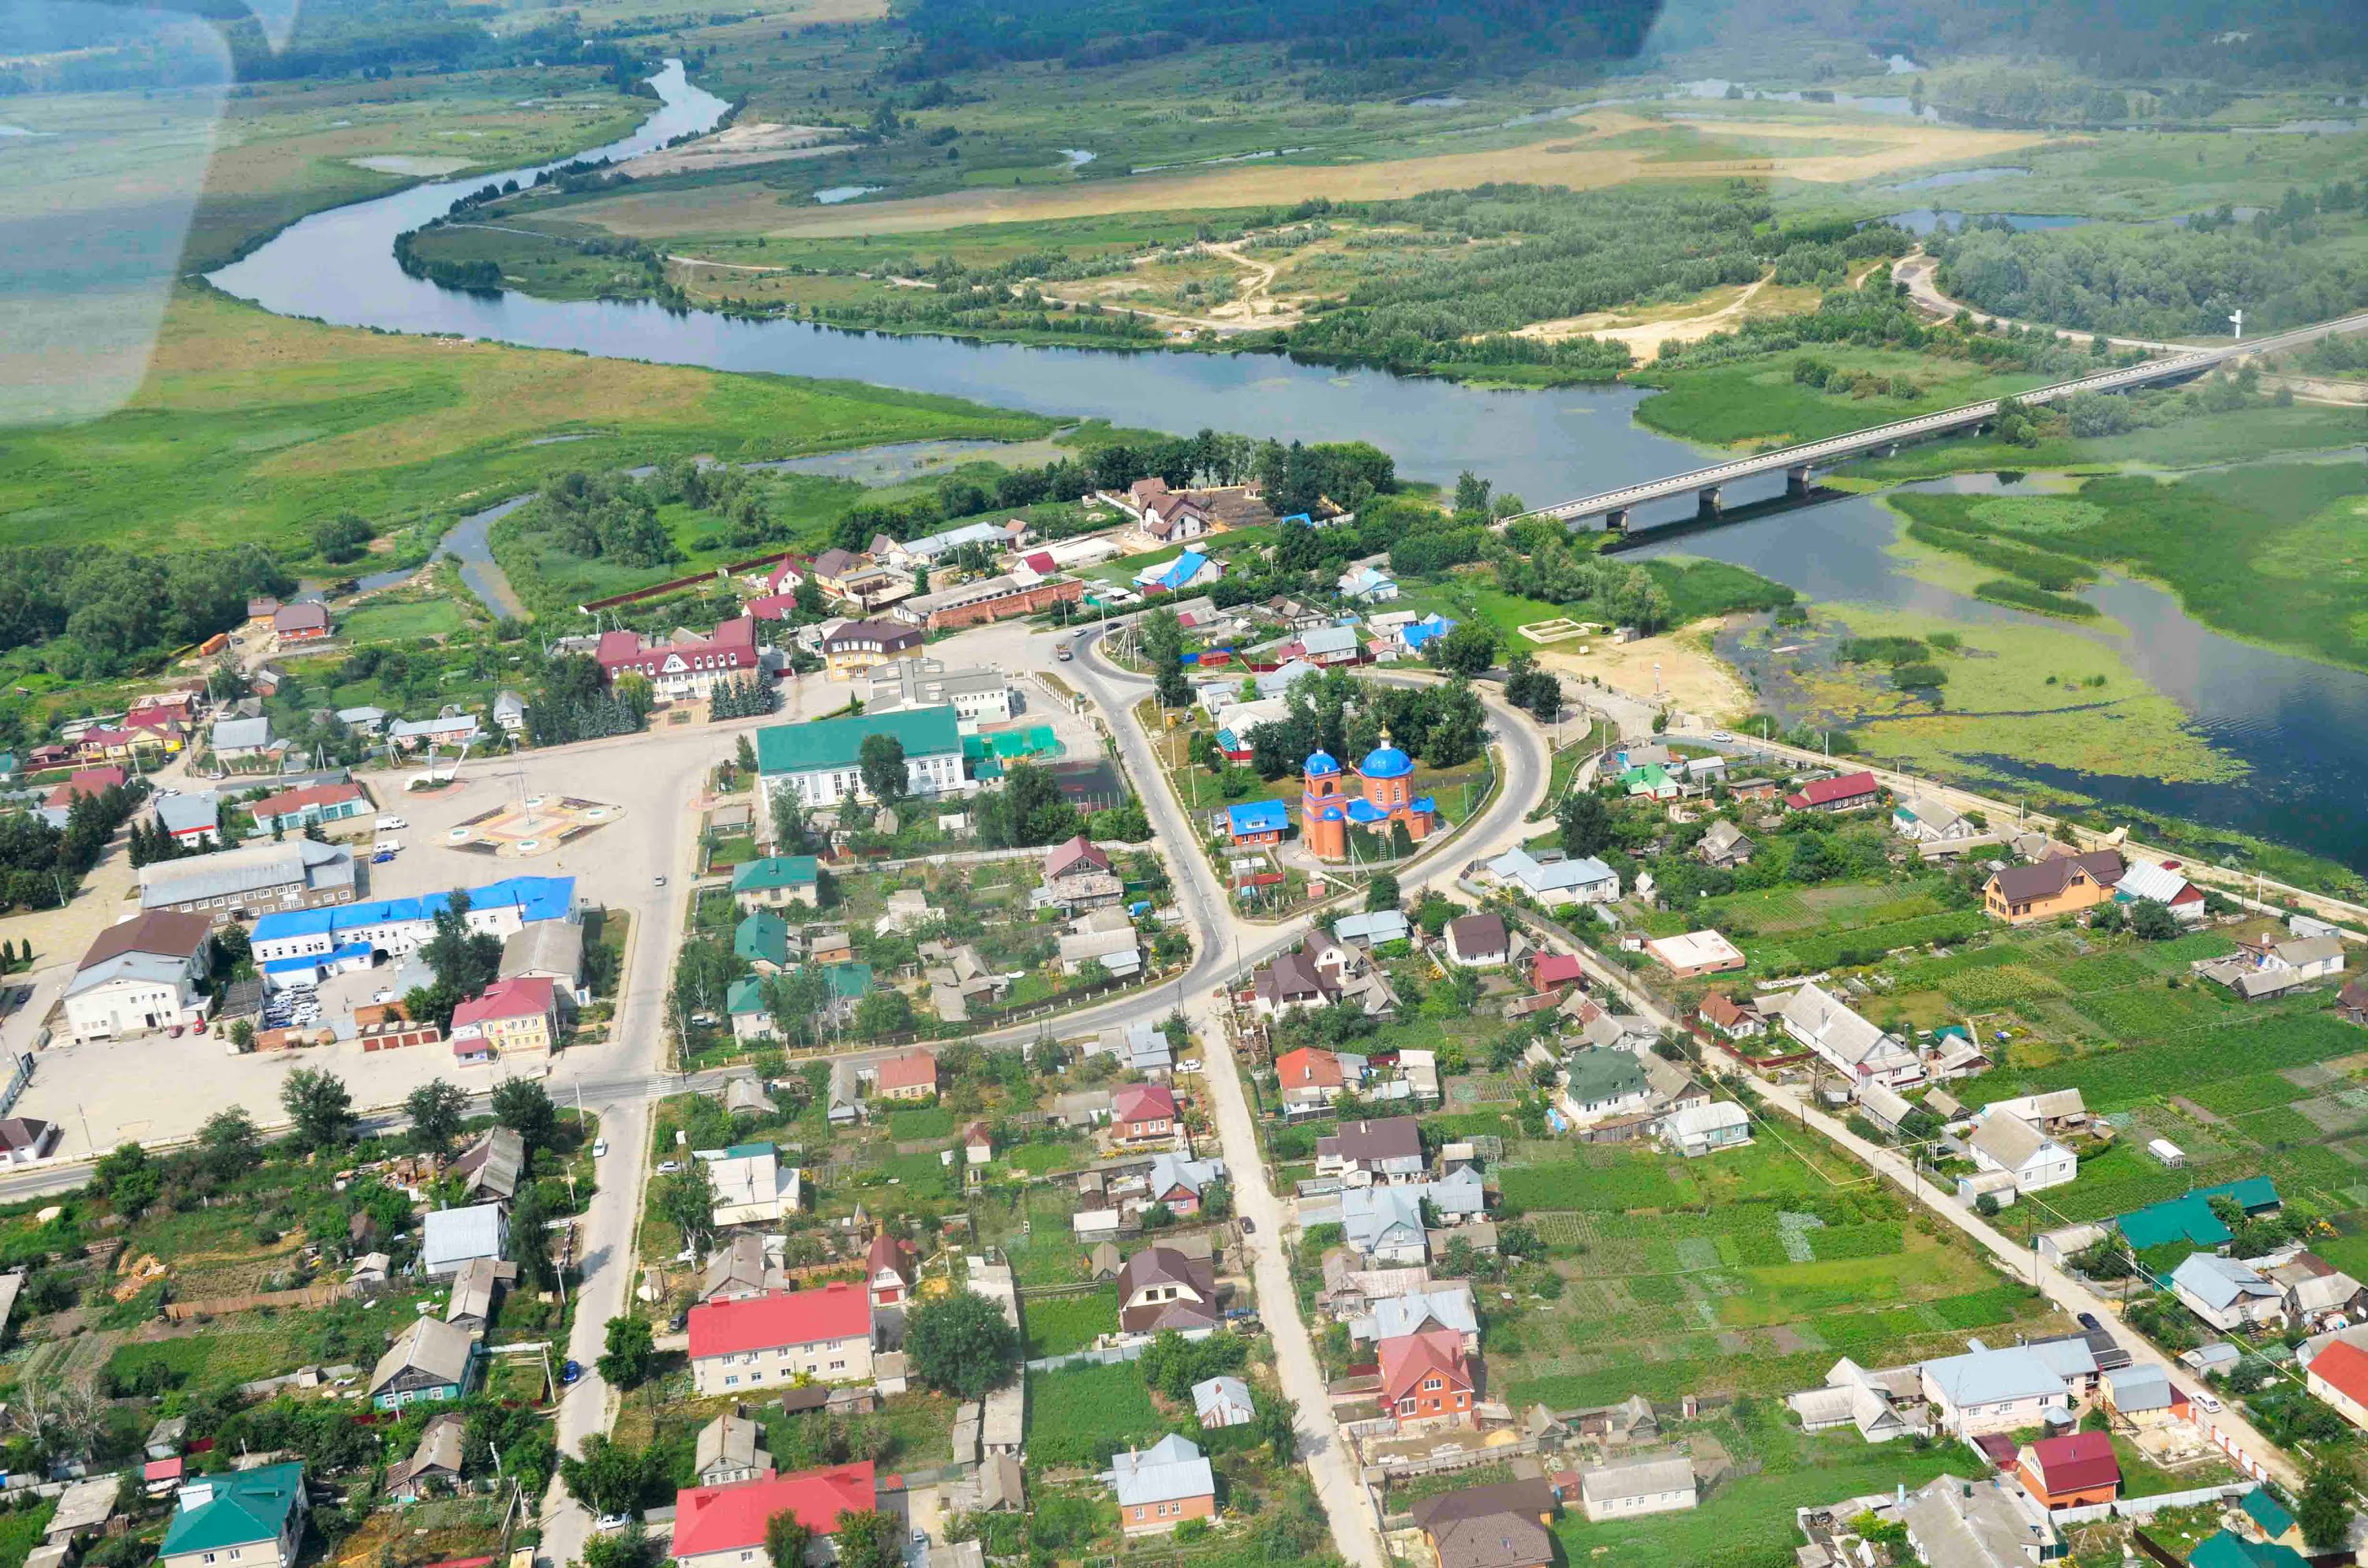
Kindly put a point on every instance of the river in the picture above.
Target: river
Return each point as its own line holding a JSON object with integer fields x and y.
{"x": 2303, "y": 725}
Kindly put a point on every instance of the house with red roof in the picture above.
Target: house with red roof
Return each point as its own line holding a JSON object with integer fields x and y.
{"x": 888, "y": 1270}
{"x": 686, "y": 667}
{"x": 294, "y": 811}
{"x": 912, "y": 1076}
{"x": 1851, "y": 792}
{"x": 723, "y": 1527}
{"x": 512, "y": 1017}
{"x": 1078, "y": 857}
{"x": 1555, "y": 972}
{"x": 1143, "y": 1113}
{"x": 823, "y": 1334}
{"x": 59, "y": 804}
{"x": 2338, "y": 1375}
{"x": 1308, "y": 1078}
{"x": 2070, "y": 1471}
{"x": 1427, "y": 1379}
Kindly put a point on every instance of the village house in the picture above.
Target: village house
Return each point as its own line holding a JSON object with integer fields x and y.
{"x": 1724, "y": 845}
{"x": 1179, "y": 1183}
{"x": 1254, "y": 823}
{"x": 2338, "y": 1374}
{"x": 1848, "y": 792}
{"x": 1729, "y": 1019}
{"x": 253, "y": 1517}
{"x": 753, "y": 1187}
{"x": 1846, "y": 1042}
{"x": 1143, "y": 1113}
{"x": 1290, "y": 983}
{"x": 2071, "y": 1471}
{"x": 1160, "y": 1288}
{"x": 1308, "y": 1078}
{"x": 2060, "y": 884}
{"x": 776, "y": 881}
{"x": 450, "y": 1238}
{"x": 1478, "y": 941}
{"x": 1427, "y": 1379}
{"x": 2020, "y": 1149}
{"x": 1447, "y": 1306}
{"x": 1644, "y": 1485}
{"x": 725, "y": 1526}
{"x": 1993, "y": 1391}
{"x": 2159, "y": 883}
{"x": 730, "y": 1449}
{"x": 1556, "y": 881}
{"x": 912, "y": 1075}
{"x": 430, "y": 1360}
{"x": 1160, "y": 1488}
{"x": 823, "y": 1334}
{"x": 294, "y": 811}
{"x": 2226, "y": 1294}
{"x": 1223, "y": 1401}
{"x": 888, "y": 1271}
{"x": 862, "y": 647}
{"x": 1385, "y": 1152}
{"x": 1505, "y": 1525}
{"x": 1600, "y": 1083}
{"x": 1697, "y": 1130}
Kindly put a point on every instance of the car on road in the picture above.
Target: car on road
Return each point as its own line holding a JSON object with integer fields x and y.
{"x": 570, "y": 1370}
{"x": 1065, "y": 653}
{"x": 600, "y": 1148}
{"x": 2209, "y": 1404}
{"x": 391, "y": 820}
{"x": 657, "y": 881}
{"x": 2089, "y": 1321}
{"x": 1720, "y": 736}
{"x": 1250, "y": 1226}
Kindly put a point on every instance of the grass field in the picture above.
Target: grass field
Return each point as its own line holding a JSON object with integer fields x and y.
{"x": 1757, "y": 401}
{"x": 403, "y": 621}
{"x": 250, "y": 426}
{"x": 1058, "y": 1324}
{"x": 1080, "y": 1415}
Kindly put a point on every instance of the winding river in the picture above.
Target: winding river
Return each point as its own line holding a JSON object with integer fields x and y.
{"x": 2304, "y": 726}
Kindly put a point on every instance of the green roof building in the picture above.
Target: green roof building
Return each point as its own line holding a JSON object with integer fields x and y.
{"x": 2229, "y": 1550}
{"x": 745, "y": 997}
{"x": 849, "y": 982}
{"x": 762, "y": 938}
{"x": 2267, "y": 1512}
{"x": 821, "y": 763}
{"x": 1604, "y": 1081}
{"x": 258, "y": 1514}
{"x": 2189, "y": 1218}
{"x": 776, "y": 879}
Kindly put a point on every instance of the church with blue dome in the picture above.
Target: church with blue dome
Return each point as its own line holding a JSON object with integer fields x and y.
{"x": 1374, "y": 796}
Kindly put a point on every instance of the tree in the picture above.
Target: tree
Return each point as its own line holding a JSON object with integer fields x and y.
{"x": 2153, "y": 920}
{"x": 524, "y": 1107}
{"x": 786, "y": 1540}
{"x": 961, "y": 1345}
{"x": 319, "y": 1104}
{"x": 882, "y": 763}
{"x": 1585, "y": 821}
{"x": 1382, "y": 892}
{"x": 872, "y": 1538}
{"x": 2323, "y": 1510}
{"x": 631, "y": 1353}
{"x": 1163, "y": 649}
{"x": 609, "y": 1478}
{"x": 529, "y": 1220}
{"x": 435, "y": 1110}
{"x": 883, "y": 1012}
{"x": 743, "y": 756}
{"x": 1471, "y": 493}
{"x": 1467, "y": 649}
{"x": 688, "y": 1198}
{"x": 128, "y": 1178}
{"x": 228, "y": 1145}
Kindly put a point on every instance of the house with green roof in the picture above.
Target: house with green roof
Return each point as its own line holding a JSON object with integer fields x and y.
{"x": 1652, "y": 780}
{"x": 761, "y": 941}
{"x": 2189, "y": 1218}
{"x": 820, "y": 763}
{"x": 2267, "y": 1512}
{"x": 777, "y": 879}
{"x": 1603, "y": 1082}
{"x": 849, "y": 983}
{"x": 743, "y": 1004}
{"x": 2229, "y": 1550}
{"x": 247, "y": 1519}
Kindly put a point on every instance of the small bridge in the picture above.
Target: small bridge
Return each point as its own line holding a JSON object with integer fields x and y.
{"x": 1798, "y": 463}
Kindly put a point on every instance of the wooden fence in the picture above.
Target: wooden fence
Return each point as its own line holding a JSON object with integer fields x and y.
{"x": 311, "y": 1296}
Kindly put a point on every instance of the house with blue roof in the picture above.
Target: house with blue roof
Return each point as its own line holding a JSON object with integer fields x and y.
{"x": 396, "y": 926}
{"x": 1368, "y": 585}
{"x": 1254, "y": 823}
{"x": 1190, "y": 569}
{"x": 1424, "y": 632}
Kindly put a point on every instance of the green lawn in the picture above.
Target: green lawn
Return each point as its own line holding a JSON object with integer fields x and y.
{"x": 1058, "y": 1324}
{"x": 410, "y": 622}
{"x": 1080, "y": 1415}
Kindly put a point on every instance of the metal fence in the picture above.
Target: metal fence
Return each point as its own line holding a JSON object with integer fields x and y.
{"x": 2142, "y": 1509}
{"x": 1109, "y": 1358}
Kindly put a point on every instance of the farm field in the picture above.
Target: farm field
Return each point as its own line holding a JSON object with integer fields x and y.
{"x": 1078, "y": 1415}
{"x": 1748, "y": 1274}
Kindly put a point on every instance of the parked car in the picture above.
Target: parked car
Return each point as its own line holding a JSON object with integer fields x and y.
{"x": 1250, "y": 1226}
{"x": 600, "y": 1148}
{"x": 570, "y": 1370}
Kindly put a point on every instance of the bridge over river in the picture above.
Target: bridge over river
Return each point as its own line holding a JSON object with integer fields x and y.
{"x": 1799, "y": 463}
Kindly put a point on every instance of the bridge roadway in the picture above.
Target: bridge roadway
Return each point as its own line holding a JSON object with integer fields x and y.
{"x": 1797, "y": 461}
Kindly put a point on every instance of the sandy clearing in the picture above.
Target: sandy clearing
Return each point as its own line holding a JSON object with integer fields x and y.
{"x": 403, "y": 163}
{"x": 764, "y": 142}
{"x": 1677, "y": 667}
{"x": 1577, "y": 162}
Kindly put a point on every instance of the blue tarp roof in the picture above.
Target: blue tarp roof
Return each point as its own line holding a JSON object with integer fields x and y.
{"x": 536, "y": 898}
{"x": 1258, "y": 816}
{"x": 1423, "y": 630}
{"x": 1182, "y": 570}
{"x": 315, "y": 960}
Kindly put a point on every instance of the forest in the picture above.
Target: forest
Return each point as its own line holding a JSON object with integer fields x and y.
{"x": 1519, "y": 253}
{"x": 2161, "y": 282}
{"x": 94, "y": 612}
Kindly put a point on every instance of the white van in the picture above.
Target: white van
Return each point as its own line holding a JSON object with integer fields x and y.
{"x": 386, "y": 822}
{"x": 387, "y": 846}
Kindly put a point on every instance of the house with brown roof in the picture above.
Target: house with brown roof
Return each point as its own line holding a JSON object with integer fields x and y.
{"x": 143, "y": 974}
{"x": 1288, "y": 984}
{"x": 307, "y": 622}
{"x": 1730, "y": 1018}
{"x": 1160, "y": 1288}
{"x": 2071, "y": 1471}
{"x": 1143, "y": 1113}
{"x": 1478, "y": 941}
{"x": 1389, "y": 1150}
{"x": 2061, "y": 884}
{"x": 1505, "y": 1525}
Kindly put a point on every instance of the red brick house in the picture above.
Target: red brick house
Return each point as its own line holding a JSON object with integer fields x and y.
{"x": 2070, "y": 1471}
{"x": 1427, "y": 1378}
{"x": 1555, "y": 972}
{"x": 1141, "y": 1112}
{"x": 307, "y": 622}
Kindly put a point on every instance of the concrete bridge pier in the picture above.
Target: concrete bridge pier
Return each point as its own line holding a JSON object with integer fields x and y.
{"x": 1707, "y": 502}
{"x": 1797, "y": 480}
{"x": 1615, "y": 521}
